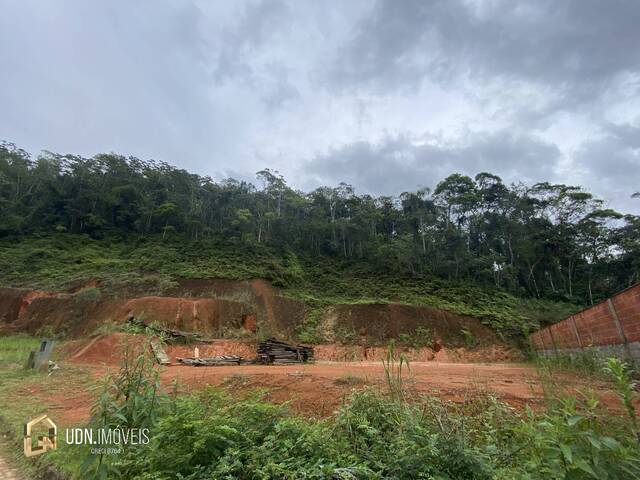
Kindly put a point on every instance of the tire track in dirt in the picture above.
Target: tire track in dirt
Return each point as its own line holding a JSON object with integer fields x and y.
{"x": 7, "y": 472}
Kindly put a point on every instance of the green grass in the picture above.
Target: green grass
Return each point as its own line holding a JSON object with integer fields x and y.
{"x": 17, "y": 405}
{"x": 152, "y": 265}
{"x": 14, "y": 351}
{"x": 584, "y": 364}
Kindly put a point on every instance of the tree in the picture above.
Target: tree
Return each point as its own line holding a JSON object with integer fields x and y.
{"x": 547, "y": 240}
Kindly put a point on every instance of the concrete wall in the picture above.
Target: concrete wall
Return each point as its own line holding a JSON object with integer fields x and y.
{"x": 611, "y": 327}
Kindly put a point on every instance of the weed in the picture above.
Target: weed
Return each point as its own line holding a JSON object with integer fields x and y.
{"x": 571, "y": 440}
{"x": 109, "y": 327}
{"x": 470, "y": 340}
{"x": 393, "y": 369}
{"x": 626, "y": 388}
{"x": 131, "y": 399}
{"x": 586, "y": 363}
{"x": 236, "y": 381}
{"x": 346, "y": 335}
{"x": 47, "y": 331}
{"x": 350, "y": 380}
{"x": 90, "y": 295}
{"x": 309, "y": 330}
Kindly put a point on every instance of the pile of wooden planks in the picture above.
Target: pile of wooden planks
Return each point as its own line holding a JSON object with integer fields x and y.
{"x": 211, "y": 361}
{"x": 276, "y": 352}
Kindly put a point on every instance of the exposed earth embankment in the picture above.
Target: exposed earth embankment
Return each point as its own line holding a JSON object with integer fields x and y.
{"x": 247, "y": 310}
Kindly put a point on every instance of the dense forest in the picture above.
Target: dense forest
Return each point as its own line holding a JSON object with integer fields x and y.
{"x": 545, "y": 240}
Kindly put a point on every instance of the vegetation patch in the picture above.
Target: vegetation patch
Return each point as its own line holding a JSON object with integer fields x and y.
{"x": 376, "y": 434}
{"x": 153, "y": 266}
{"x": 514, "y": 256}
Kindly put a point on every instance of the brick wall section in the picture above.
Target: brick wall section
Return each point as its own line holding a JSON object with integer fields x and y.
{"x": 628, "y": 309}
{"x": 595, "y": 326}
{"x": 547, "y": 340}
{"x": 563, "y": 334}
{"x": 536, "y": 341}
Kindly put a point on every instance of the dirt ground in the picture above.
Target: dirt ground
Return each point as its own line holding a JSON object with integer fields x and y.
{"x": 319, "y": 389}
{"x": 314, "y": 390}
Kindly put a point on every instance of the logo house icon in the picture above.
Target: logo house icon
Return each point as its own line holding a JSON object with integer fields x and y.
{"x": 45, "y": 442}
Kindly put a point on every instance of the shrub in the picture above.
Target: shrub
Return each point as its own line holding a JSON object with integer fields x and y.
{"x": 626, "y": 388}
{"x": 470, "y": 339}
{"x": 90, "y": 295}
{"x": 375, "y": 435}
{"x": 572, "y": 441}
{"x": 421, "y": 337}
{"x": 131, "y": 399}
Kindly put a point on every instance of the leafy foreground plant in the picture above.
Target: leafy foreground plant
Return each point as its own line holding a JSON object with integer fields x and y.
{"x": 626, "y": 388}
{"x": 211, "y": 435}
{"x": 131, "y": 399}
{"x": 573, "y": 441}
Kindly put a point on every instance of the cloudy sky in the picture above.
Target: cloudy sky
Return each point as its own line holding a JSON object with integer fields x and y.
{"x": 385, "y": 95}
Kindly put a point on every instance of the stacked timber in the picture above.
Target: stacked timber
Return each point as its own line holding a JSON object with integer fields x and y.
{"x": 275, "y": 352}
{"x": 211, "y": 361}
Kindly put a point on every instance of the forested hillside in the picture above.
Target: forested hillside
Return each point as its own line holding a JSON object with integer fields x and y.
{"x": 543, "y": 241}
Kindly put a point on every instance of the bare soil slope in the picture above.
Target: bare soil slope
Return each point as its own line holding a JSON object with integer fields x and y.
{"x": 237, "y": 309}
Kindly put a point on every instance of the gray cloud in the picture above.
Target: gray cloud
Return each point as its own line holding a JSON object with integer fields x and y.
{"x": 387, "y": 95}
{"x": 576, "y": 46}
{"x": 402, "y": 164}
{"x": 613, "y": 164}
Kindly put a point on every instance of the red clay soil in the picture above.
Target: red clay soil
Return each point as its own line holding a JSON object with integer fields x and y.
{"x": 350, "y": 353}
{"x": 101, "y": 349}
{"x": 68, "y": 406}
{"x": 319, "y": 389}
{"x": 312, "y": 390}
{"x": 237, "y": 309}
{"x": 107, "y": 349}
{"x": 232, "y": 308}
{"x": 315, "y": 390}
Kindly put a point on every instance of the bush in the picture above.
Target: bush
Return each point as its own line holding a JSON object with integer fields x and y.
{"x": 90, "y": 295}
{"x": 573, "y": 441}
{"x": 421, "y": 337}
{"x": 375, "y": 435}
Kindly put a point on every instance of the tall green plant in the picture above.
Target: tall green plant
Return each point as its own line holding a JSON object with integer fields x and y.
{"x": 626, "y": 388}
{"x": 393, "y": 369}
{"x": 133, "y": 398}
